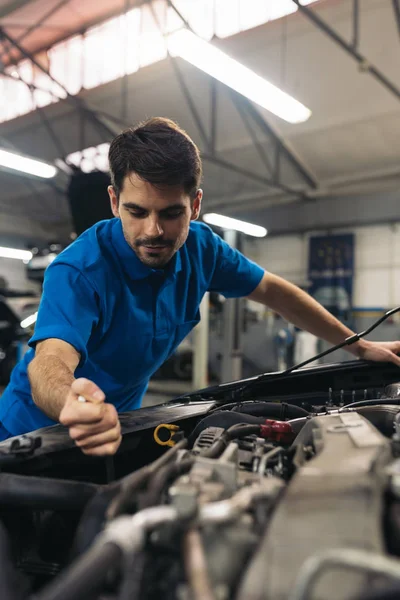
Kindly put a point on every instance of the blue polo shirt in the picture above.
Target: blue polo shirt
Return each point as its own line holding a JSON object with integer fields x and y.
{"x": 124, "y": 318}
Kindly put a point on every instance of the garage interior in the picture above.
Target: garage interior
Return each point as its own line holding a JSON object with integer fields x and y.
{"x": 242, "y": 477}
{"x": 73, "y": 76}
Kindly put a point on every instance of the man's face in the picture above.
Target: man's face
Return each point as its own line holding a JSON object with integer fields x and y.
{"x": 155, "y": 221}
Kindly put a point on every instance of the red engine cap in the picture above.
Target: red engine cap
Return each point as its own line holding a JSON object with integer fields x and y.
{"x": 277, "y": 431}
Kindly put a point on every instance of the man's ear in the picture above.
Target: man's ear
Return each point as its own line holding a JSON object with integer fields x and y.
{"x": 114, "y": 202}
{"x": 196, "y": 205}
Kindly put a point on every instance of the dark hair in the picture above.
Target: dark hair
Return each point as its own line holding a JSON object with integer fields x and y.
{"x": 159, "y": 152}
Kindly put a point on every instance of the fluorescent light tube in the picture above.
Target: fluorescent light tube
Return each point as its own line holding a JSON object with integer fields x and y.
{"x": 219, "y": 65}
{"x": 235, "y": 224}
{"x": 14, "y": 253}
{"x": 24, "y": 164}
{"x": 29, "y": 321}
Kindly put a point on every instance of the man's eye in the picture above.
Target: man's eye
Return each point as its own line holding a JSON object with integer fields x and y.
{"x": 173, "y": 214}
{"x": 137, "y": 214}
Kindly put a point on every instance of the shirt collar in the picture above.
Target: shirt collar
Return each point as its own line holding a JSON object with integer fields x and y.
{"x": 132, "y": 264}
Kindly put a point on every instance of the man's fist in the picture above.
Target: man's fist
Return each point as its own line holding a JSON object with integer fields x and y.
{"x": 93, "y": 425}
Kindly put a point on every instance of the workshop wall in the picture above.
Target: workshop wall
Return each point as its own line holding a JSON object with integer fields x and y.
{"x": 377, "y": 262}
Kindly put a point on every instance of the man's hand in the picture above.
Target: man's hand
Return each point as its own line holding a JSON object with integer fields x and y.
{"x": 93, "y": 425}
{"x": 379, "y": 351}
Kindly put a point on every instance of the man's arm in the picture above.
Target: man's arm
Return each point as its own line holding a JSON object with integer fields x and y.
{"x": 51, "y": 374}
{"x": 297, "y": 307}
{"x": 93, "y": 425}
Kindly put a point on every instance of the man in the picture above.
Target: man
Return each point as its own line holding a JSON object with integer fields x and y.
{"x": 119, "y": 300}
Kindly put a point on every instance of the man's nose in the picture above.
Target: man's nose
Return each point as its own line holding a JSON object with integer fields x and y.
{"x": 154, "y": 227}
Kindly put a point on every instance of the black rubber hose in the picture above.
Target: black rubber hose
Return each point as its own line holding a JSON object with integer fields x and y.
{"x": 131, "y": 483}
{"x": 224, "y": 419}
{"x": 234, "y": 432}
{"x": 390, "y": 592}
{"x": 275, "y": 410}
{"x": 44, "y": 493}
{"x": 86, "y": 577}
{"x": 13, "y": 586}
{"x": 131, "y": 586}
{"x": 92, "y": 520}
{"x": 158, "y": 482}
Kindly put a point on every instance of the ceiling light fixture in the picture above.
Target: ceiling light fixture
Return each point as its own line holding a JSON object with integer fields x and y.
{"x": 15, "y": 253}
{"x": 24, "y": 164}
{"x": 235, "y": 224}
{"x": 219, "y": 65}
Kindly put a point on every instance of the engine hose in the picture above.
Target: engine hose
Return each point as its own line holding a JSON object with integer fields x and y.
{"x": 387, "y": 593}
{"x": 132, "y": 577}
{"x": 85, "y": 578}
{"x": 224, "y": 419}
{"x": 234, "y": 432}
{"x": 92, "y": 520}
{"x": 13, "y": 585}
{"x": 131, "y": 483}
{"x": 276, "y": 410}
{"x": 158, "y": 482}
{"x": 44, "y": 493}
{"x": 386, "y": 401}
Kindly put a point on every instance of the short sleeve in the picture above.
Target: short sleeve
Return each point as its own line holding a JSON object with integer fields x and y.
{"x": 234, "y": 276}
{"x": 69, "y": 308}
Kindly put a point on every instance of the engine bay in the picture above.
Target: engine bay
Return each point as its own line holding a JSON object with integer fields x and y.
{"x": 285, "y": 487}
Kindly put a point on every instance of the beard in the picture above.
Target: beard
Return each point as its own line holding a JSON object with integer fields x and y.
{"x": 155, "y": 253}
{"x": 155, "y": 257}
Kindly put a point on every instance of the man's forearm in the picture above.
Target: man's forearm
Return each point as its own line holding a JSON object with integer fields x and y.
{"x": 297, "y": 307}
{"x": 50, "y": 380}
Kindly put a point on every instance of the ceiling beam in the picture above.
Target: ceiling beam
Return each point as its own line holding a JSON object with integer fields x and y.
{"x": 38, "y": 23}
{"x": 11, "y": 7}
{"x": 365, "y": 64}
{"x": 396, "y": 8}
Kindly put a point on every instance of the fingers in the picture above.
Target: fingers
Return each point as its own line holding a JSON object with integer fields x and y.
{"x": 105, "y": 450}
{"x": 101, "y": 439}
{"x": 394, "y": 359}
{"x": 88, "y": 389}
{"x": 77, "y": 413}
{"x": 81, "y": 431}
{"x": 93, "y": 425}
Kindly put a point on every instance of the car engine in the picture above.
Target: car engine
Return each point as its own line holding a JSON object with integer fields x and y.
{"x": 285, "y": 488}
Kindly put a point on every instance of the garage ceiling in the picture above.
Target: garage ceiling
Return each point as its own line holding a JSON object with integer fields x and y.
{"x": 351, "y": 144}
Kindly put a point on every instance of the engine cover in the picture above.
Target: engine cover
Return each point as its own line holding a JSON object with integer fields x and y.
{"x": 334, "y": 500}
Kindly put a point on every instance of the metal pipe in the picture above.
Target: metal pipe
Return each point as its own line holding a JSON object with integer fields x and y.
{"x": 38, "y": 23}
{"x": 240, "y": 107}
{"x": 284, "y": 148}
{"x": 129, "y": 532}
{"x": 364, "y": 63}
{"x": 266, "y": 457}
{"x": 358, "y": 560}
{"x": 396, "y": 8}
{"x": 224, "y": 511}
{"x": 214, "y": 109}
{"x": 73, "y": 100}
{"x": 196, "y": 566}
{"x": 124, "y": 537}
{"x": 188, "y": 97}
{"x": 356, "y": 23}
{"x": 254, "y": 176}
